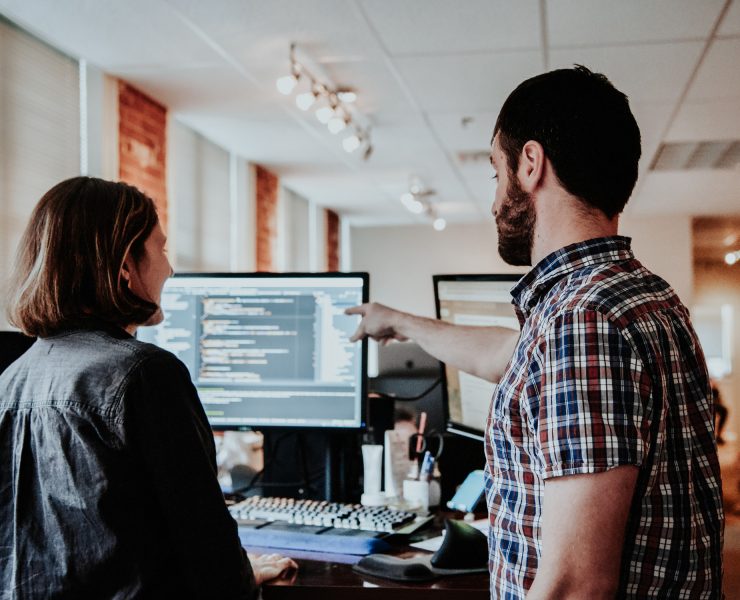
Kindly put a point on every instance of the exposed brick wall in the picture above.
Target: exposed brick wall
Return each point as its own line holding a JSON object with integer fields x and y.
{"x": 266, "y": 191}
{"x": 332, "y": 240}
{"x": 142, "y": 145}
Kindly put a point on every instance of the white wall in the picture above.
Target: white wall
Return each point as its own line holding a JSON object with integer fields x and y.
{"x": 402, "y": 260}
{"x": 293, "y": 232}
{"x": 212, "y": 205}
{"x": 665, "y": 246}
{"x": 717, "y": 285}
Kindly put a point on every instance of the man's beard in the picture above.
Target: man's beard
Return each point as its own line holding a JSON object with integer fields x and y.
{"x": 515, "y": 222}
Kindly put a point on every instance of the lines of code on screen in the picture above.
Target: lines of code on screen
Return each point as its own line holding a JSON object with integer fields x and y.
{"x": 266, "y": 351}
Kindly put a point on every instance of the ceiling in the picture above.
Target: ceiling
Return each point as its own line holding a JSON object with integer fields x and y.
{"x": 431, "y": 76}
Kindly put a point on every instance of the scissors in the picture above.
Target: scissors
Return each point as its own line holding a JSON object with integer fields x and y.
{"x": 419, "y": 443}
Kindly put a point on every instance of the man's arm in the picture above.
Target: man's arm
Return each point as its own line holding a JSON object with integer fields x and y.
{"x": 583, "y": 524}
{"x": 480, "y": 351}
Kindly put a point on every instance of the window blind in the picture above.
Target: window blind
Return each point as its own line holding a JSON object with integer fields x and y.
{"x": 39, "y": 132}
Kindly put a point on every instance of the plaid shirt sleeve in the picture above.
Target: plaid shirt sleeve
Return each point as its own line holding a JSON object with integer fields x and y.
{"x": 589, "y": 406}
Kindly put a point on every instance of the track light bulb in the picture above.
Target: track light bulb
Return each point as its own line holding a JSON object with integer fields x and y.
{"x": 416, "y": 207}
{"x": 440, "y": 224}
{"x": 305, "y": 100}
{"x": 411, "y": 203}
{"x": 348, "y": 96}
{"x": 324, "y": 113}
{"x": 336, "y": 124}
{"x": 732, "y": 257}
{"x": 351, "y": 143}
{"x": 286, "y": 85}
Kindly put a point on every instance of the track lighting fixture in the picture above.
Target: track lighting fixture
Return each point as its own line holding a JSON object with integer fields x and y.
{"x": 334, "y": 105}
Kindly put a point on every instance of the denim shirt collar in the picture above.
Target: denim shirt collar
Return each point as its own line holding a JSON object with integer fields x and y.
{"x": 92, "y": 323}
{"x": 556, "y": 265}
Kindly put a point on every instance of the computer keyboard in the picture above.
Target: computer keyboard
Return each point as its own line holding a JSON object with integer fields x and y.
{"x": 322, "y": 526}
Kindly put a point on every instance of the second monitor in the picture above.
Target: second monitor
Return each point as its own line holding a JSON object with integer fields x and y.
{"x": 268, "y": 350}
{"x": 481, "y": 300}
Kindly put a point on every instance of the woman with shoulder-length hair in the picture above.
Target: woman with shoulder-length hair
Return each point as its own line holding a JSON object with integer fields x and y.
{"x": 108, "y": 484}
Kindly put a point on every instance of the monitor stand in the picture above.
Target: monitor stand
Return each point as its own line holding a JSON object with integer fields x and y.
{"x": 311, "y": 464}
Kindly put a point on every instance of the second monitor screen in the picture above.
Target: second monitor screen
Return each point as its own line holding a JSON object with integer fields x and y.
{"x": 267, "y": 350}
{"x": 482, "y": 300}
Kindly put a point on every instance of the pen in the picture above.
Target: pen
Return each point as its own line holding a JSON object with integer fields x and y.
{"x": 425, "y": 474}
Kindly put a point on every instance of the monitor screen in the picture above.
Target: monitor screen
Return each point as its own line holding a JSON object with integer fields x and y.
{"x": 481, "y": 300}
{"x": 268, "y": 350}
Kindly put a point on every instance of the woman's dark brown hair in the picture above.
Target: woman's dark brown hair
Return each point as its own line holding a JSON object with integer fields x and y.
{"x": 68, "y": 268}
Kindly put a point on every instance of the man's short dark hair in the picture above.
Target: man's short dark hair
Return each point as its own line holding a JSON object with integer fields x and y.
{"x": 586, "y": 129}
{"x": 70, "y": 257}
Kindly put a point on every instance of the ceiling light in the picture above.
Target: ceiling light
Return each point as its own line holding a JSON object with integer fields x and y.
{"x": 286, "y": 85}
{"x": 347, "y": 95}
{"x": 732, "y": 257}
{"x": 440, "y": 224}
{"x": 416, "y": 207}
{"x": 351, "y": 143}
{"x": 324, "y": 113}
{"x": 336, "y": 124}
{"x": 335, "y": 112}
{"x": 411, "y": 203}
{"x": 305, "y": 100}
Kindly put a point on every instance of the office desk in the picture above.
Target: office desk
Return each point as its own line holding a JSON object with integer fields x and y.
{"x": 322, "y": 577}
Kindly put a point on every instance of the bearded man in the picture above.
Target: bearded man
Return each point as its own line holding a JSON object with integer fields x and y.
{"x": 602, "y": 478}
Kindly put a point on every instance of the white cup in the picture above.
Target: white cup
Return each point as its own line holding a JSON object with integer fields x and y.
{"x": 416, "y": 494}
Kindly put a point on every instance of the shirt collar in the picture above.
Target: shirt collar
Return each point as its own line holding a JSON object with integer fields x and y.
{"x": 556, "y": 265}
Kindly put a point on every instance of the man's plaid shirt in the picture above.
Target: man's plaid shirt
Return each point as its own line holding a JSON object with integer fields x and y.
{"x": 608, "y": 371}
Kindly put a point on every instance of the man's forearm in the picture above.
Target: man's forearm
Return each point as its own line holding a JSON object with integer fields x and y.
{"x": 480, "y": 351}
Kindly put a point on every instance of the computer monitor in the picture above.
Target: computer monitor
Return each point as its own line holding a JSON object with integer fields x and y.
{"x": 12, "y": 345}
{"x": 269, "y": 350}
{"x": 472, "y": 300}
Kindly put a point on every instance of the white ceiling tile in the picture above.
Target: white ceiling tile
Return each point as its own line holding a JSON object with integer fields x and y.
{"x": 652, "y": 119}
{"x": 708, "y": 120}
{"x": 731, "y": 23}
{"x": 464, "y": 131}
{"x": 719, "y": 73}
{"x": 475, "y": 83}
{"x": 646, "y": 73}
{"x": 214, "y": 89}
{"x": 437, "y": 26}
{"x": 709, "y": 192}
{"x": 603, "y": 22}
{"x": 112, "y": 34}
{"x": 321, "y": 27}
{"x": 281, "y": 145}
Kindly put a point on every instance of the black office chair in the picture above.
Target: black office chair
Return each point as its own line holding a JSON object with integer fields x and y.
{"x": 12, "y": 345}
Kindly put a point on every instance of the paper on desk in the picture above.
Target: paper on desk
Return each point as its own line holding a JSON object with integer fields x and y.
{"x": 434, "y": 544}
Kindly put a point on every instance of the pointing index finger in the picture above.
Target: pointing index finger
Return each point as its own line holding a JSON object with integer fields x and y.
{"x": 356, "y": 310}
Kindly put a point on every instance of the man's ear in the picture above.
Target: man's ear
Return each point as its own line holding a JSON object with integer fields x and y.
{"x": 531, "y": 166}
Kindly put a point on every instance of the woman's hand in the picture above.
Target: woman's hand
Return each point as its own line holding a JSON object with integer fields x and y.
{"x": 270, "y": 566}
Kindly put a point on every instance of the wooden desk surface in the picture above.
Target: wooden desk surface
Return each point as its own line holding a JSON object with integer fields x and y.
{"x": 330, "y": 580}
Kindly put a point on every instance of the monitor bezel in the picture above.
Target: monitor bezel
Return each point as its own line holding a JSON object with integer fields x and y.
{"x": 364, "y": 351}
{"x": 452, "y": 426}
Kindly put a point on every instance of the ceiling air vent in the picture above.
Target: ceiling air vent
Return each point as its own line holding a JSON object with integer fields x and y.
{"x": 683, "y": 156}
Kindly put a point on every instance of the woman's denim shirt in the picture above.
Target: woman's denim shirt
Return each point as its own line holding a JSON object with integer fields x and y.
{"x": 108, "y": 476}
